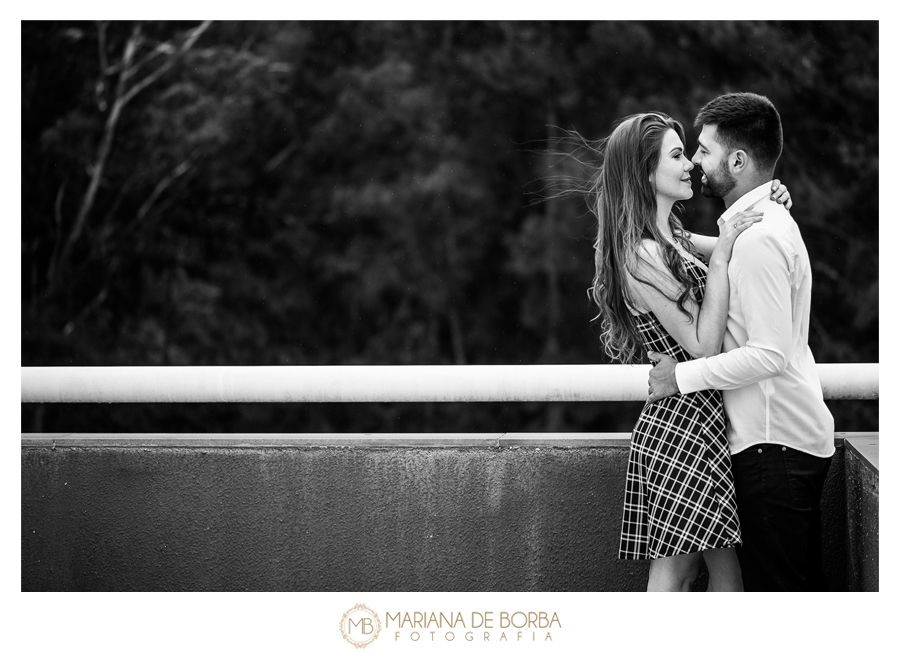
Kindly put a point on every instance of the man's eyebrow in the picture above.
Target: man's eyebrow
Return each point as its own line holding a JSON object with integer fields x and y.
{"x": 700, "y": 143}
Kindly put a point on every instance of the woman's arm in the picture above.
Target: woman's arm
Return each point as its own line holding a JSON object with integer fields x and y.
{"x": 702, "y": 333}
{"x": 705, "y": 244}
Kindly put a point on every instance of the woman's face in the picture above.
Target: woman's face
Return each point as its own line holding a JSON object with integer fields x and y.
{"x": 672, "y": 178}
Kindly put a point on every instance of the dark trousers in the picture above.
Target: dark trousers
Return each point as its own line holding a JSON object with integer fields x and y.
{"x": 779, "y": 490}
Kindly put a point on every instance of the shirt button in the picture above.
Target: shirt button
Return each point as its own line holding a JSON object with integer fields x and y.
{"x": 783, "y": 449}
{"x": 760, "y": 450}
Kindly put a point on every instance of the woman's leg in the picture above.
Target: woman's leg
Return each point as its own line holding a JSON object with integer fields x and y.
{"x": 673, "y": 574}
{"x": 724, "y": 570}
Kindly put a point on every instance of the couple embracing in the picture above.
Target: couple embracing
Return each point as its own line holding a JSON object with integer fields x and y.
{"x": 729, "y": 455}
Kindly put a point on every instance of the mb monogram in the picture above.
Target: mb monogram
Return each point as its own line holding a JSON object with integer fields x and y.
{"x": 360, "y": 626}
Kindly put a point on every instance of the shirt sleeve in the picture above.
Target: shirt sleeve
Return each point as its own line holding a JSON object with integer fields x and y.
{"x": 760, "y": 270}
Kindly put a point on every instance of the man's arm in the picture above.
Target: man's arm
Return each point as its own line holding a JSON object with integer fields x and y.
{"x": 762, "y": 278}
{"x": 761, "y": 272}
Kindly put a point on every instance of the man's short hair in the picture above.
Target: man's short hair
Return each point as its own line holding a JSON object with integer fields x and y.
{"x": 745, "y": 121}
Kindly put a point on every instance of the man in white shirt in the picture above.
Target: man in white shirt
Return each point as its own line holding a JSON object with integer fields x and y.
{"x": 780, "y": 433}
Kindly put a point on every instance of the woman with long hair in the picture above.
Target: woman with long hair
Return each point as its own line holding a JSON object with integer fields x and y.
{"x": 660, "y": 289}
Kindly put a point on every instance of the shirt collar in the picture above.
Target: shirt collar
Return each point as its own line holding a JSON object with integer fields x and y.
{"x": 750, "y": 198}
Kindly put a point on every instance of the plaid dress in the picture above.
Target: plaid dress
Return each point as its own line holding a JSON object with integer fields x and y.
{"x": 679, "y": 492}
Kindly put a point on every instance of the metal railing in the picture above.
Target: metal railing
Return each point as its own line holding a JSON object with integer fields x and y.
{"x": 522, "y": 383}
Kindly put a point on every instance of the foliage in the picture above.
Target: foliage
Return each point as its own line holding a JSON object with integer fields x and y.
{"x": 357, "y": 192}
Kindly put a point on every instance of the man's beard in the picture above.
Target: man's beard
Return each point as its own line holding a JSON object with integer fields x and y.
{"x": 718, "y": 185}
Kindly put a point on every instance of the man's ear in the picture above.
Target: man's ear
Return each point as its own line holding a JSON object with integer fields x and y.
{"x": 739, "y": 161}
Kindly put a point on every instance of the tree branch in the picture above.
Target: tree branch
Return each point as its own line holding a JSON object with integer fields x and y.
{"x": 100, "y": 88}
{"x": 102, "y": 156}
{"x": 122, "y": 98}
{"x": 153, "y": 77}
{"x": 161, "y": 186}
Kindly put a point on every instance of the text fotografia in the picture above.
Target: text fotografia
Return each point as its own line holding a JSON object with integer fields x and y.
{"x": 481, "y": 626}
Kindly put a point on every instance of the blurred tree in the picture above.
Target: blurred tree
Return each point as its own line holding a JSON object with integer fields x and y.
{"x": 357, "y": 192}
{"x": 127, "y": 86}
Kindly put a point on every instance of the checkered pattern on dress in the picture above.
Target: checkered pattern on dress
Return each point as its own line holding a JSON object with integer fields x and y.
{"x": 679, "y": 491}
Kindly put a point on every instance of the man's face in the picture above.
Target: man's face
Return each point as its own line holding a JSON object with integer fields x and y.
{"x": 712, "y": 160}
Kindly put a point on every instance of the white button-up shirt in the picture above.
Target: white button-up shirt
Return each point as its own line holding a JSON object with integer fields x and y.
{"x": 767, "y": 372}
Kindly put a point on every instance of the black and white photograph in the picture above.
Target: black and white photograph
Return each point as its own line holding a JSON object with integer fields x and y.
{"x": 409, "y": 307}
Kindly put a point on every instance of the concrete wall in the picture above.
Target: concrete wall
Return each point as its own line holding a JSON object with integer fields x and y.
{"x": 862, "y": 527}
{"x": 470, "y": 517}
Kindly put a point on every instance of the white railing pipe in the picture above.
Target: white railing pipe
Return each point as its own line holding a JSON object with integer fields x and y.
{"x": 519, "y": 383}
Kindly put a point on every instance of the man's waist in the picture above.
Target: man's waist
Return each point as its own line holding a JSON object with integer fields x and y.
{"x": 817, "y": 441}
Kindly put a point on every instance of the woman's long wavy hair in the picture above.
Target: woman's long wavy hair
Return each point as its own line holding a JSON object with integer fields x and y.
{"x": 623, "y": 199}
